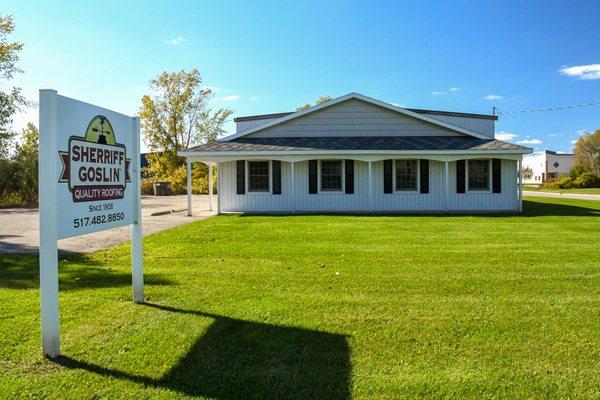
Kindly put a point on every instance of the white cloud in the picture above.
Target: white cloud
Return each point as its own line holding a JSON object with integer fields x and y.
{"x": 233, "y": 97}
{"x": 452, "y": 90}
{"x": 556, "y": 134}
{"x": 174, "y": 41}
{"x": 254, "y": 98}
{"x": 587, "y": 72}
{"x": 530, "y": 141}
{"x": 507, "y": 136}
{"x": 493, "y": 97}
{"x": 573, "y": 141}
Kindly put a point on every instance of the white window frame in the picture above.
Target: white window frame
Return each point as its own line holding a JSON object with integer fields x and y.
{"x": 407, "y": 191}
{"x": 489, "y": 188}
{"x": 343, "y": 190}
{"x": 254, "y": 192}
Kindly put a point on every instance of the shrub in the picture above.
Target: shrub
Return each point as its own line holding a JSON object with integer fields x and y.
{"x": 587, "y": 180}
{"x": 566, "y": 182}
{"x": 148, "y": 186}
{"x": 571, "y": 181}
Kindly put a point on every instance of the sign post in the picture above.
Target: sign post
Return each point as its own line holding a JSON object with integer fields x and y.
{"x": 89, "y": 181}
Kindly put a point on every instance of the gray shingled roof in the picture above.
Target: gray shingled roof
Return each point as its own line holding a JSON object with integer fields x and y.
{"x": 392, "y": 143}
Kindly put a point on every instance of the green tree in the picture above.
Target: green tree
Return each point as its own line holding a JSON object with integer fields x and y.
{"x": 320, "y": 100}
{"x": 10, "y": 97}
{"x": 27, "y": 158}
{"x": 587, "y": 153}
{"x": 176, "y": 116}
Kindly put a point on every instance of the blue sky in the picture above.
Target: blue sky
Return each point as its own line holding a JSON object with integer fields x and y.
{"x": 264, "y": 57}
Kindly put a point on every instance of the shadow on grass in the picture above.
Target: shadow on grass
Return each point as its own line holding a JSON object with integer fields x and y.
{"x": 238, "y": 359}
{"x": 21, "y": 271}
{"x": 542, "y": 209}
{"x": 530, "y": 209}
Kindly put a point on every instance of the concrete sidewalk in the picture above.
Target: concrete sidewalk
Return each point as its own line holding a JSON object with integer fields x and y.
{"x": 19, "y": 232}
{"x": 575, "y": 196}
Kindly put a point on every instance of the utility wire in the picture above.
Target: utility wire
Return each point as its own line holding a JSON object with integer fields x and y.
{"x": 550, "y": 109}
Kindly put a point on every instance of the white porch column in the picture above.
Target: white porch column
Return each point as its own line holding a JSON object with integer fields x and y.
{"x": 189, "y": 187}
{"x": 219, "y": 187}
{"x": 446, "y": 191}
{"x": 210, "y": 187}
{"x": 520, "y": 185}
{"x": 293, "y": 189}
{"x": 370, "y": 186}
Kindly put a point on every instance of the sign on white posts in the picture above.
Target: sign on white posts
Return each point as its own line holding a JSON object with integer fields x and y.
{"x": 89, "y": 181}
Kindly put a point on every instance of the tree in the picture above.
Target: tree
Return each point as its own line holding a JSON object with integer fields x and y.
{"x": 26, "y": 158}
{"x": 320, "y": 100}
{"x": 527, "y": 173}
{"x": 176, "y": 116}
{"x": 10, "y": 98}
{"x": 587, "y": 153}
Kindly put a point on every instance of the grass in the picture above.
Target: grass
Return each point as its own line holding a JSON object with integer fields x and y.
{"x": 574, "y": 191}
{"x": 331, "y": 307}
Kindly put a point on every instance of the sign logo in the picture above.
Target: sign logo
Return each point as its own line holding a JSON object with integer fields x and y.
{"x": 95, "y": 166}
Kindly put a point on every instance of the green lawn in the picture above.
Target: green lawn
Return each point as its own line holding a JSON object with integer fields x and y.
{"x": 330, "y": 307}
{"x": 574, "y": 191}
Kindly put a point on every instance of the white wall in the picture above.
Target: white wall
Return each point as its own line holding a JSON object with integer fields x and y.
{"x": 565, "y": 163}
{"x": 359, "y": 201}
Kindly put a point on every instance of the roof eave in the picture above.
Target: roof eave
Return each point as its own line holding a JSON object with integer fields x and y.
{"x": 188, "y": 153}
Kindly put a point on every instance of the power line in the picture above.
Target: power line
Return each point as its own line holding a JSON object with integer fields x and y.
{"x": 550, "y": 109}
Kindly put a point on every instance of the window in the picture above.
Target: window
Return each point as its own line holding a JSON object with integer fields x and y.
{"x": 258, "y": 176}
{"x": 479, "y": 174}
{"x": 406, "y": 174}
{"x": 331, "y": 175}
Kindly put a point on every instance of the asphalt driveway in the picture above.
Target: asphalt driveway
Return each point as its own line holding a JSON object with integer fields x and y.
{"x": 19, "y": 231}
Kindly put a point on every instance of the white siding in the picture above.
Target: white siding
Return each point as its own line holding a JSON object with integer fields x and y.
{"x": 486, "y": 201}
{"x": 483, "y": 126}
{"x": 243, "y": 125}
{"x": 433, "y": 201}
{"x": 354, "y": 118}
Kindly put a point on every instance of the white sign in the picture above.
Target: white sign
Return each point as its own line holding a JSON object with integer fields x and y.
{"x": 89, "y": 181}
{"x": 95, "y": 152}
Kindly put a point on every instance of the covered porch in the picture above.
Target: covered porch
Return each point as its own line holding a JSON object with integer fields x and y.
{"x": 367, "y": 181}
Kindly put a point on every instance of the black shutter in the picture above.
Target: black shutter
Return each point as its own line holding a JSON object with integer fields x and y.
{"x": 276, "y": 176}
{"x": 424, "y": 184}
{"x": 349, "y": 177}
{"x": 460, "y": 176}
{"x": 312, "y": 176}
{"x": 241, "y": 177}
{"x": 387, "y": 177}
{"x": 496, "y": 175}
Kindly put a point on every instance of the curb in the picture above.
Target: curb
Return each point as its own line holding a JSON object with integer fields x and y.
{"x": 165, "y": 212}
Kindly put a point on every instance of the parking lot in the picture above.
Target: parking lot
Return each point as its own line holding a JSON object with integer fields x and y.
{"x": 19, "y": 230}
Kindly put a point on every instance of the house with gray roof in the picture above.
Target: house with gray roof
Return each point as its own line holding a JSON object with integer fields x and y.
{"x": 358, "y": 154}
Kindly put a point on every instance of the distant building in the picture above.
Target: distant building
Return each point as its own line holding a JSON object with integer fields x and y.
{"x": 547, "y": 165}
